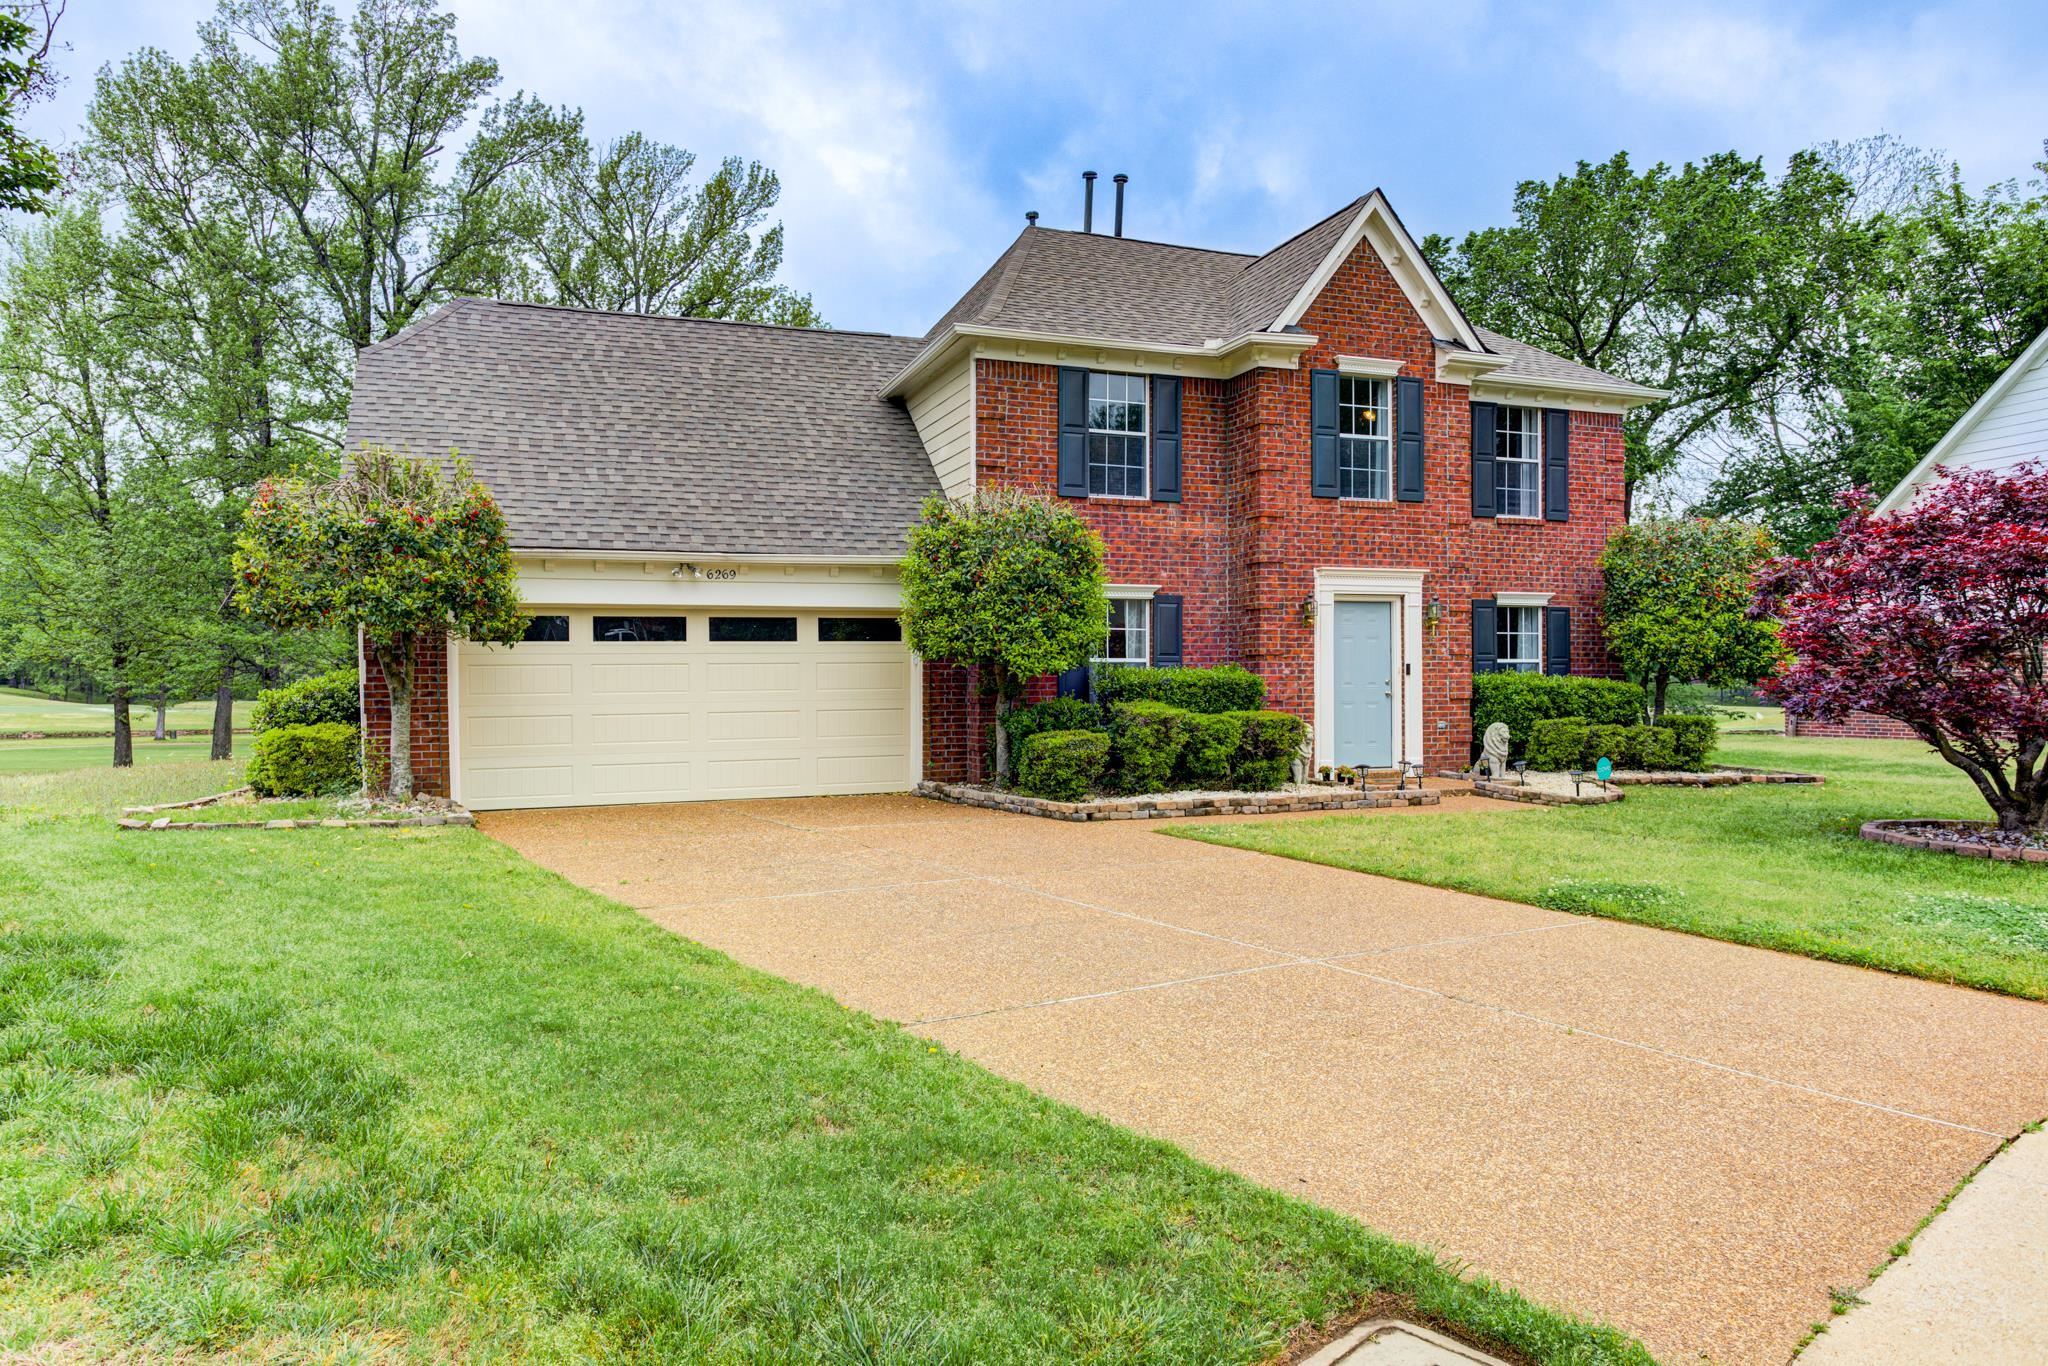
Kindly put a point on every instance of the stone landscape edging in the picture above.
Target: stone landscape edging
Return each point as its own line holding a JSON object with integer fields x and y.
{"x": 1904, "y": 834}
{"x": 1602, "y": 793}
{"x": 1169, "y": 807}
{"x": 1718, "y": 776}
{"x": 128, "y": 819}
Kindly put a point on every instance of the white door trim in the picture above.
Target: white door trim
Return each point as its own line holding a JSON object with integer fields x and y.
{"x": 1403, "y": 588}
{"x": 453, "y": 644}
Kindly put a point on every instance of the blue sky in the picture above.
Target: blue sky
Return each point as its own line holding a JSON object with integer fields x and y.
{"x": 911, "y": 138}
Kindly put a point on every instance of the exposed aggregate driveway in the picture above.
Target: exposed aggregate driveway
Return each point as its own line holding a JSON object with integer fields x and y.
{"x": 1691, "y": 1140}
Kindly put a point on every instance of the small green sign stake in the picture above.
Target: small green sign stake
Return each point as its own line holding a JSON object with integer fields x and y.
{"x": 1604, "y": 769}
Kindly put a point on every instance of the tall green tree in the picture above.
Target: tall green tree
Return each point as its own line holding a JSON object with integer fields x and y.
{"x": 346, "y": 128}
{"x": 1715, "y": 282}
{"x": 1678, "y": 594}
{"x": 30, "y": 175}
{"x": 624, "y": 227}
{"x": 93, "y": 535}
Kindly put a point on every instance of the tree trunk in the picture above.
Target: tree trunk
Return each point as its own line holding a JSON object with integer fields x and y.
{"x": 396, "y": 661}
{"x": 1002, "y": 739}
{"x": 224, "y": 713}
{"x": 1657, "y": 695}
{"x": 124, "y": 732}
{"x": 163, "y": 704}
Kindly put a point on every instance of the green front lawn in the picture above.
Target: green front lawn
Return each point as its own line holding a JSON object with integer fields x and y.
{"x": 402, "y": 1096}
{"x": 58, "y": 756}
{"x": 1780, "y": 867}
{"x": 21, "y": 709}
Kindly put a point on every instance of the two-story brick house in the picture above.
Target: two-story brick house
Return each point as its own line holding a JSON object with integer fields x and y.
{"x": 1307, "y": 461}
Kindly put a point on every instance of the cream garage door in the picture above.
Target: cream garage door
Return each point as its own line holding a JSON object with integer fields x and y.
{"x": 621, "y": 705}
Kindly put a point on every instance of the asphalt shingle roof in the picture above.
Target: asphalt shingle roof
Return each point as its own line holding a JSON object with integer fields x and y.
{"x": 673, "y": 436}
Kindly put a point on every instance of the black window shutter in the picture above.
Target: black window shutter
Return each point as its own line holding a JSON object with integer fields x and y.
{"x": 1166, "y": 611}
{"x": 1322, "y": 424}
{"x": 1408, "y": 439}
{"x": 1073, "y": 433}
{"x": 1075, "y": 683}
{"x": 1485, "y": 637}
{"x": 1482, "y": 459}
{"x": 1557, "y": 464}
{"x": 1557, "y": 640}
{"x": 1165, "y": 439}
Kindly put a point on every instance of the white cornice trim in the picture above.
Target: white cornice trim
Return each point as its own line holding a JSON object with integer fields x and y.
{"x": 1902, "y": 492}
{"x": 672, "y": 559}
{"x": 1376, "y": 222}
{"x": 1542, "y": 391}
{"x": 1463, "y": 367}
{"x": 1219, "y": 359}
{"x": 1522, "y": 599}
{"x": 1368, "y": 365}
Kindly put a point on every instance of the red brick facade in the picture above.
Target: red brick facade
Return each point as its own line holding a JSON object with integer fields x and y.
{"x": 1244, "y": 544}
{"x": 429, "y": 718}
{"x": 1858, "y": 725}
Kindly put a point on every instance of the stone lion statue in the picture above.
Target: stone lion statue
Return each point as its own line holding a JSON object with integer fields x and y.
{"x": 1305, "y": 757}
{"x": 1493, "y": 750}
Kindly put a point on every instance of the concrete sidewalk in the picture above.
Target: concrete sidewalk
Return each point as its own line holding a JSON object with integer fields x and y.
{"x": 1973, "y": 1289}
{"x": 1692, "y": 1140}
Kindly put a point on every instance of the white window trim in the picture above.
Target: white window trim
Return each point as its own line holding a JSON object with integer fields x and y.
{"x": 1144, "y": 434}
{"x": 1404, "y": 588}
{"x": 1385, "y": 440}
{"x": 1521, "y": 599}
{"x": 1502, "y": 603}
{"x": 1535, "y": 438}
{"x": 1124, "y": 594}
{"x": 1368, "y": 365}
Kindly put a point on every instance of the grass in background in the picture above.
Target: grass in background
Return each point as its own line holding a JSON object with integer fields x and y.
{"x": 1779, "y": 867}
{"x": 57, "y": 756}
{"x": 22, "y": 709}
{"x": 103, "y": 790}
{"x": 400, "y": 1095}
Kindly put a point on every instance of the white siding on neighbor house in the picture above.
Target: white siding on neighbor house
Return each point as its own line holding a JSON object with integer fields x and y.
{"x": 944, "y": 413}
{"x": 2013, "y": 429}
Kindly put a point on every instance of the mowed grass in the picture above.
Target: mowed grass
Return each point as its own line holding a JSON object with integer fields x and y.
{"x": 59, "y": 756}
{"x": 22, "y": 709}
{"x": 401, "y": 1096}
{"x": 1780, "y": 867}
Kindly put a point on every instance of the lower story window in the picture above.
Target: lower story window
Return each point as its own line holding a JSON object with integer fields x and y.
{"x": 1130, "y": 632}
{"x": 1519, "y": 639}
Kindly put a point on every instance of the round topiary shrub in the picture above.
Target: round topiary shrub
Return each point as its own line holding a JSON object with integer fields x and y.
{"x": 322, "y": 760}
{"x": 1062, "y": 765}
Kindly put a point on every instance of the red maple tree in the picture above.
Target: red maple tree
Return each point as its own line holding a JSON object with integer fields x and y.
{"x": 1935, "y": 615}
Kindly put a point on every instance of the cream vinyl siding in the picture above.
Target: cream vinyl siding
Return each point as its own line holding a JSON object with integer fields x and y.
{"x": 580, "y": 723}
{"x": 943, "y": 411}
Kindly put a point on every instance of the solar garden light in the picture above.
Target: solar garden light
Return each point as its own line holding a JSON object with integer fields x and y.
{"x": 1521, "y": 767}
{"x": 1578, "y": 775}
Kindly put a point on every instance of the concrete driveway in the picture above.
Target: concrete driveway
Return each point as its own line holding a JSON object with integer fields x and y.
{"x": 1691, "y": 1140}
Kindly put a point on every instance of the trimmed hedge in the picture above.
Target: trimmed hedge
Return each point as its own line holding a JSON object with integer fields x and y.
{"x": 309, "y": 702}
{"x": 1210, "y": 749}
{"x": 1693, "y": 739}
{"x": 1055, "y": 713}
{"x": 306, "y": 761}
{"x": 1145, "y": 740}
{"x": 1062, "y": 765}
{"x": 1226, "y": 687}
{"x": 1266, "y": 753}
{"x": 1523, "y": 699}
{"x": 1559, "y": 744}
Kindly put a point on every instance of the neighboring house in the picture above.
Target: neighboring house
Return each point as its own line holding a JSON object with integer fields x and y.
{"x": 1308, "y": 461}
{"x": 2002, "y": 429}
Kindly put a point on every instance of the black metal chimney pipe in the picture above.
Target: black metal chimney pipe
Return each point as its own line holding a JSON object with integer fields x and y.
{"x": 1120, "y": 179}
{"x": 1088, "y": 201}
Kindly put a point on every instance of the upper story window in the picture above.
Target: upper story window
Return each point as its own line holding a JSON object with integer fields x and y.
{"x": 1130, "y": 632}
{"x": 1365, "y": 426}
{"x": 1116, "y": 435}
{"x": 1517, "y": 459}
{"x": 1519, "y": 639}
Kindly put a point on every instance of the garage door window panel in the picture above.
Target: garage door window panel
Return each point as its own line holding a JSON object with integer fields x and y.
{"x": 545, "y": 630}
{"x": 859, "y": 630}
{"x": 643, "y": 630}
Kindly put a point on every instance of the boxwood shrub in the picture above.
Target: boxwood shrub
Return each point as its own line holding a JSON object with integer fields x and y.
{"x": 1606, "y": 742}
{"x": 1210, "y": 749}
{"x": 1558, "y": 744}
{"x": 1523, "y": 699}
{"x": 321, "y": 760}
{"x": 1651, "y": 747}
{"x": 1145, "y": 744}
{"x": 1693, "y": 739}
{"x": 1226, "y": 687}
{"x": 1055, "y": 713}
{"x": 308, "y": 702}
{"x": 1062, "y": 765}
{"x": 1267, "y": 749}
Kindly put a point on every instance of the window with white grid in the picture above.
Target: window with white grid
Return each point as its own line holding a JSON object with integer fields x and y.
{"x": 1517, "y": 460}
{"x": 1116, "y": 435}
{"x": 1365, "y": 426}
{"x": 1518, "y": 639}
{"x": 1130, "y": 632}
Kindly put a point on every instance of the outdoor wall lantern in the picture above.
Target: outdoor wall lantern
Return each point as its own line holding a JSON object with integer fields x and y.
{"x": 1434, "y": 613}
{"x": 1308, "y": 610}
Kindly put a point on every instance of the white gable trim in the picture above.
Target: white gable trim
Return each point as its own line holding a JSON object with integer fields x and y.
{"x": 2035, "y": 354}
{"x": 1376, "y": 223}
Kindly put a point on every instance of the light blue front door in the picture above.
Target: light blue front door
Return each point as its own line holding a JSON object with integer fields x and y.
{"x": 1365, "y": 684}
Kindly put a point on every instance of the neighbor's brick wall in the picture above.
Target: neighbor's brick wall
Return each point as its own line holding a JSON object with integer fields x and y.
{"x": 429, "y": 718}
{"x": 1243, "y": 545}
{"x": 1858, "y": 725}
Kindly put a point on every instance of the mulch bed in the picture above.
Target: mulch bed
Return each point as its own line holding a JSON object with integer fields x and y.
{"x": 1967, "y": 839}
